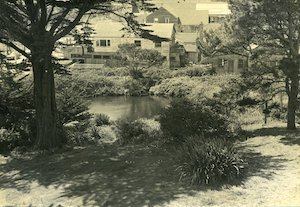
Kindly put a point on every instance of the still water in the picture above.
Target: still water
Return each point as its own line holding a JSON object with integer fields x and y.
{"x": 128, "y": 107}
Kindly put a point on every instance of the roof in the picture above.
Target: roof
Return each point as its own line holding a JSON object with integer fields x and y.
{"x": 186, "y": 12}
{"x": 109, "y": 29}
{"x": 186, "y": 37}
{"x": 116, "y": 29}
{"x": 161, "y": 30}
{"x": 190, "y": 48}
{"x": 214, "y": 8}
{"x": 141, "y": 17}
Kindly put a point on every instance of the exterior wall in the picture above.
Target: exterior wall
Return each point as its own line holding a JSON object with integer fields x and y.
{"x": 229, "y": 64}
{"x": 174, "y": 60}
{"x": 190, "y": 28}
{"x": 116, "y": 41}
{"x": 101, "y": 54}
{"x": 161, "y": 16}
{"x": 192, "y": 57}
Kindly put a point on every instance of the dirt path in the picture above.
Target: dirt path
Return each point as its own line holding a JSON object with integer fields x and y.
{"x": 127, "y": 176}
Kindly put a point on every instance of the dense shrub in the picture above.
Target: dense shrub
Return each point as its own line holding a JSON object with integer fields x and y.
{"x": 115, "y": 62}
{"x": 8, "y": 139}
{"x": 16, "y": 110}
{"x": 136, "y": 87}
{"x": 138, "y": 132}
{"x": 197, "y": 88}
{"x": 71, "y": 106}
{"x": 79, "y": 134}
{"x": 208, "y": 161}
{"x": 184, "y": 118}
{"x": 101, "y": 119}
{"x": 173, "y": 87}
{"x": 199, "y": 71}
{"x": 191, "y": 71}
{"x": 99, "y": 83}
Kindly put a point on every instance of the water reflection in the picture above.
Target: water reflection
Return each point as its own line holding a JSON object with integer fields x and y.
{"x": 128, "y": 107}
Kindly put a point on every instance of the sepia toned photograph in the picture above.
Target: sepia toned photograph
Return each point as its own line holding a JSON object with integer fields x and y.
{"x": 149, "y": 103}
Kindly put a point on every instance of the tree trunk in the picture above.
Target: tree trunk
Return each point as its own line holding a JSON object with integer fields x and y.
{"x": 292, "y": 103}
{"x": 45, "y": 103}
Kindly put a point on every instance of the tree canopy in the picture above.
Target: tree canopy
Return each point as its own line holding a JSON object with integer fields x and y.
{"x": 33, "y": 27}
{"x": 274, "y": 28}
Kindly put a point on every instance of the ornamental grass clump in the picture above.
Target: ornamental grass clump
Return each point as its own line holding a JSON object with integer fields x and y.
{"x": 102, "y": 119}
{"x": 208, "y": 161}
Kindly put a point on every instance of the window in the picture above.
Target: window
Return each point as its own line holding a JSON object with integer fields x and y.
{"x": 230, "y": 66}
{"x": 241, "y": 64}
{"x": 75, "y": 55}
{"x": 81, "y": 61}
{"x": 138, "y": 43}
{"x": 87, "y": 56}
{"x": 155, "y": 20}
{"x": 221, "y": 63}
{"x": 214, "y": 19}
{"x": 167, "y": 20}
{"x": 103, "y": 43}
{"x": 157, "y": 44}
{"x": 106, "y": 57}
{"x": 97, "y": 56}
{"x": 211, "y": 19}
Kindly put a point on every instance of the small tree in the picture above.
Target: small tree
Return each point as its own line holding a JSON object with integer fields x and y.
{"x": 137, "y": 60}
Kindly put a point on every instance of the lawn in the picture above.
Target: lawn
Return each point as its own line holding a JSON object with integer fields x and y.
{"x": 111, "y": 175}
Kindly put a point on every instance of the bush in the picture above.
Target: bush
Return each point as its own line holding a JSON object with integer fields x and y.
{"x": 140, "y": 131}
{"x": 174, "y": 87}
{"x": 183, "y": 118}
{"x": 16, "y": 111}
{"x": 102, "y": 119}
{"x": 208, "y": 161}
{"x": 70, "y": 105}
{"x": 8, "y": 139}
{"x": 81, "y": 133}
{"x": 136, "y": 88}
{"x": 199, "y": 71}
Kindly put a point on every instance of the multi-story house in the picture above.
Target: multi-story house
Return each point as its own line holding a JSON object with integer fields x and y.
{"x": 217, "y": 11}
{"x": 109, "y": 35}
{"x": 185, "y": 16}
{"x": 187, "y": 20}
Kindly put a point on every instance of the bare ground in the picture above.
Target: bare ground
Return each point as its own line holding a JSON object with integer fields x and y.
{"x": 132, "y": 176}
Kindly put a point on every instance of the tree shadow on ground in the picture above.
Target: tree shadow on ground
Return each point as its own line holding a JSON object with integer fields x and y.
{"x": 289, "y": 137}
{"x": 101, "y": 175}
{"x": 117, "y": 176}
{"x": 264, "y": 166}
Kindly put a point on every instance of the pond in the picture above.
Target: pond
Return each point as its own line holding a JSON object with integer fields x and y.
{"x": 129, "y": 107}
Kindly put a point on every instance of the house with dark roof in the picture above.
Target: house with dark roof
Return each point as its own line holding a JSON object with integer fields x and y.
{"x": 109, "y": 35}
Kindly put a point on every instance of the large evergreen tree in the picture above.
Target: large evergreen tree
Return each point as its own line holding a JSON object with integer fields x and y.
{"x": 33, "y": 27}
{"x": 274, "y": 27}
